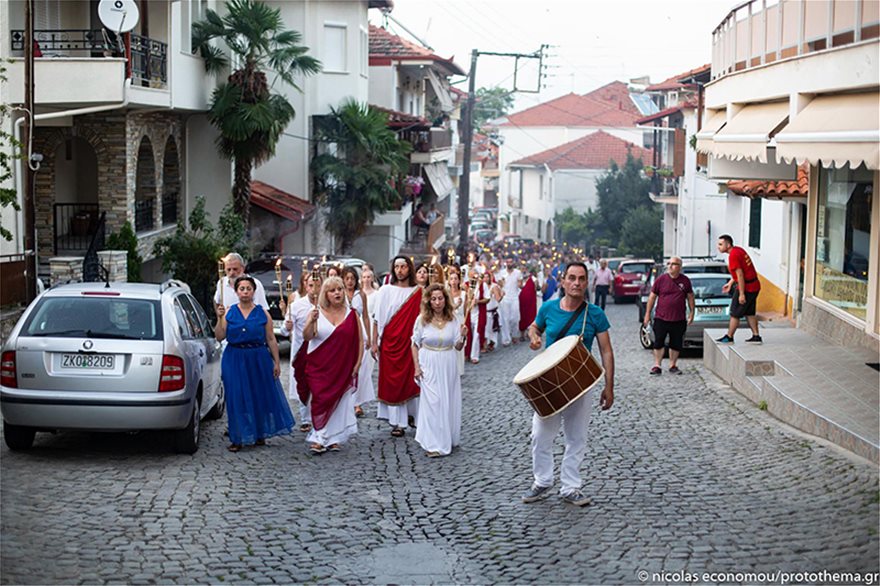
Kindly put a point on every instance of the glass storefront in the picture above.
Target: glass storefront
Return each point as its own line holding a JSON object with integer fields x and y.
{"x": 843, "y": 237}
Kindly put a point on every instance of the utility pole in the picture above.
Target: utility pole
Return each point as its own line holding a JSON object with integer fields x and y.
{"x": 464, "y": 195}
{"x": 28, "y": 199}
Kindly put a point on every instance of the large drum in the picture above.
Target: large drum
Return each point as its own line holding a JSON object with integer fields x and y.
{"x": 559, "y": 375}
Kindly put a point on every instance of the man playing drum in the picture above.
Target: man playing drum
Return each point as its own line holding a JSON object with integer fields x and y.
{"x": 574, "y": 418}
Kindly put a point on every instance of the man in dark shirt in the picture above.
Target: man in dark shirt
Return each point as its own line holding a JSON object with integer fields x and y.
{"x": 670, "y": 291}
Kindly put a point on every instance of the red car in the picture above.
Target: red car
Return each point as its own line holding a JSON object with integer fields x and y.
{"x": 631, "y": 274}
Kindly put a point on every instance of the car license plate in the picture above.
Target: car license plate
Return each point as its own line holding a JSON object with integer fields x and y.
{"x": 88, "y": 361}
{"x": 711, "y": 309}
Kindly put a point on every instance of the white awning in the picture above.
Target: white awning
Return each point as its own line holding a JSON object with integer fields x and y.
{"x": 748, "y": 132}
{"x": 442, "y": 93}
{"x": 714, "y": 122}
{"x": 438, "y": 176}
{"x": 834, "y": 130}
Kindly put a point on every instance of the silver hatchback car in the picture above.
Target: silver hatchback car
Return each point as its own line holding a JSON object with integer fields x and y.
{"x": 111, "y": 357}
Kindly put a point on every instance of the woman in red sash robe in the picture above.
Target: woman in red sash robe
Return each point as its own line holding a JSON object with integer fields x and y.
{"x": 528, "y": 304}
{"x": 335, "y": 349}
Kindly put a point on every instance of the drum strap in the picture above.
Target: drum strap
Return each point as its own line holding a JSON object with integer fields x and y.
{"x": 573, "y": 318}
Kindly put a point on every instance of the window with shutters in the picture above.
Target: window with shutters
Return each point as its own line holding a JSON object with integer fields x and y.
{"x": 335, "y": 48}
{"x": 755, "y": 222}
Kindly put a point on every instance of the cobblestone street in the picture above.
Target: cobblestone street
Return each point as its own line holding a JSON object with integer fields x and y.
{"x": 684, "y": 474}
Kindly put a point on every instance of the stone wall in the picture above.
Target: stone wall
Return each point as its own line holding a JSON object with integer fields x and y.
{"x": 63, "y": 269}
{"x": 116, "y": 137}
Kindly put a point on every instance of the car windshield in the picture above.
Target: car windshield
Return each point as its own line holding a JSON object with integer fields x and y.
{"x": 635, "y": 267}
{"x": 613, "y": 264}
{"x": 95, "y": 317}
{"x": 708, "y": 287}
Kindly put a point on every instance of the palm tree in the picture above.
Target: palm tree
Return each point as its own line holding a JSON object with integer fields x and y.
{"x": 248, "y": 115}
{"x": 356, "y": 182}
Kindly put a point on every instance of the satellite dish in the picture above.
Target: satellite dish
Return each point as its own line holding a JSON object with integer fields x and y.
{"x": 120, "y": 16}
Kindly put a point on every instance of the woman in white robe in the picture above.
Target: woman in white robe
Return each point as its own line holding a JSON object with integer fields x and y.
{"x": 459, "y": 300}
{"x": 437, "y": 336}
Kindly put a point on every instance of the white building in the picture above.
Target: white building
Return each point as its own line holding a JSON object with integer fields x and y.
{"x": 565, "y": 177}
{"x": 411, "y": 84}
{"x": 610, "y": 108}
{"x": 120, "y": 124}
{"x": 803, "y": 92}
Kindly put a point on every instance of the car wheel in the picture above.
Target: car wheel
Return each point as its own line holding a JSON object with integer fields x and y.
{"x": 186, "y": 440}
{"x": 645, "y": 337}
{"x": 219, "y": 407}
{"x": 18, "y": 437}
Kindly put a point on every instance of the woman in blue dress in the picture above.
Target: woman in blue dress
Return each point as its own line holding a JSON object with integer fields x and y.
{"x": 255, "y": 404}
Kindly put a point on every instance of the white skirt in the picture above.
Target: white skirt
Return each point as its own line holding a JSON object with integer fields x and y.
{"x": 341, "y": 426}
{"x": 439, "y": 422}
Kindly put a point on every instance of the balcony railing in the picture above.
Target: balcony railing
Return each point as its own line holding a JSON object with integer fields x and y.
{"x": 74, "y": 227}
{"x": 148, "y": 58}
{"x": 169, "y": 209}
{"x": 143, "y": 215}
{"x": 757, "y": 32}
{"x": 425, "y": 141}
{"x": 149, "y": 61}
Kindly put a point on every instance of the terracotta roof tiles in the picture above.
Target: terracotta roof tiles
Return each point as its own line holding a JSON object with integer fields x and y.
{"x": 386, "y": 47}
{"x": 594, "y": 151}
{"x": 608, "y": 106}
{"x": 774, "y": 189}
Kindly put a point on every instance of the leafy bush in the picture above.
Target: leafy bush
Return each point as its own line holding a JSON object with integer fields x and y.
{"x": 126, "y": 240}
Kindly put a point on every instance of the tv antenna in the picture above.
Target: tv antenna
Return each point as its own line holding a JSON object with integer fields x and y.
{"x": 119, "y": 16}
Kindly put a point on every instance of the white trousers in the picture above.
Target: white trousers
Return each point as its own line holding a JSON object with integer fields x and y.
{"x": 492, "y": 335}
{"x": 398, "y": 415}
{"x": 508, "y": 313}
{"x": 574, "y": 420}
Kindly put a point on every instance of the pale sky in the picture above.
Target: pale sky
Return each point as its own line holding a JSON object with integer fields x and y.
{"x": 593, "y": 42}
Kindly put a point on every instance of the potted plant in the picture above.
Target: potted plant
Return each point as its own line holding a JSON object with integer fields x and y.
{"x": 649, "y": 170}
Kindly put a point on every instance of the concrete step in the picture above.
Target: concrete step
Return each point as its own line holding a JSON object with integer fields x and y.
{"x": 822, "y": 389}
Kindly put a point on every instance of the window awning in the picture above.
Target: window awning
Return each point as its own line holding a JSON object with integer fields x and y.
{"x": 442, "y": 93}
{"x": 713, "y": 124}
{"x": 281, "y": 203}
{"x": 834, "y": 130}
{"x": 438, "y": 175}
{"x": 748, "y": 132}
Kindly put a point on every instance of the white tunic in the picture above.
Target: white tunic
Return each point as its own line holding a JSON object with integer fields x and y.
{"x": 439, "y": 421}
{"x": 342, "y": 423}
{"x": 298, "y": 313}
{"x": 366, "y": 392}
{"x": 225, "y": 294}
{"x": 459, "y": 315}
{"x": 385, "y": 303}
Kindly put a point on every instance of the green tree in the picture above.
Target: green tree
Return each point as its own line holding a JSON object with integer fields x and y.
{"x": 641, "y": 233}
{"x": 126, "y": 240}
{"x": 10, "y": 150}
{"x": 491, "y": 103}
{"x": 191, "y": 253}
{"x": 248, "y": 115}
{"x": 351, "y": 175}
{"x": 621, "y": 191}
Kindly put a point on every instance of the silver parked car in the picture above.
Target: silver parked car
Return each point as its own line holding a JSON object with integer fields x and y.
{"x": 111, "y": 357}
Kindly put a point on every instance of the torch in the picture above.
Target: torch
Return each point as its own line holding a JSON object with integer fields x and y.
{"x": 450, "y": 256}
{"x": 221, "y": 268}
{"x": 432, "y": 271}
{"x": 278, "y": 277}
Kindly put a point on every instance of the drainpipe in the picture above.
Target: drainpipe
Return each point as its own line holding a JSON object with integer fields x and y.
{"x": 19, "y": 188}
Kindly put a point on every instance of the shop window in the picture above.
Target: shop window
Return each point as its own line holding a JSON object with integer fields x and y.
{"x": 755, "y": 222}
{"x": 843, "y": 235}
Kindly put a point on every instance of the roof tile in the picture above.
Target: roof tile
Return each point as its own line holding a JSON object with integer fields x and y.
{"x": 608, "y": 106}
{"x": 593, "y": 151}
{"x": 774, "y": 189}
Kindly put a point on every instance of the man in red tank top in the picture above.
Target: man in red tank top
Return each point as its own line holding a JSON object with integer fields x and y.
{"x": 745, "y": 286}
